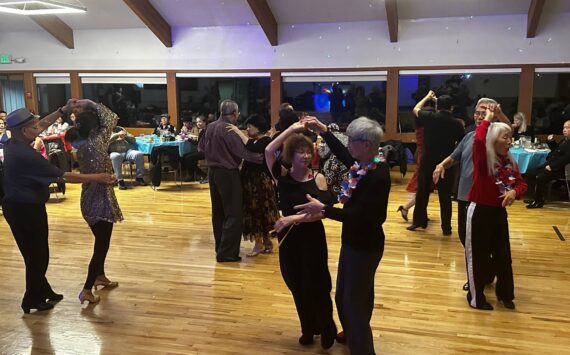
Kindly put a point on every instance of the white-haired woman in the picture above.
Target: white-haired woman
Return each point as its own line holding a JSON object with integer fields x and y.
{"x": 496, "y": 184}
{"x": 364, "y": 194}
{"x": 521, "y": 127}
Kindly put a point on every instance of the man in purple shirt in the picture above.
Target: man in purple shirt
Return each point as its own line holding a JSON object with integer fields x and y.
{"x": 224, "y": 151}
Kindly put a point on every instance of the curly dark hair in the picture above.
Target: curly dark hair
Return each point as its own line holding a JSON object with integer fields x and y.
{"x": 294, "y": 143}
{"x": 85, "y": 122}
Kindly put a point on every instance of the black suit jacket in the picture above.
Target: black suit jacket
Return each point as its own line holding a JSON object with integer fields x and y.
{"x": 559, "y": 155}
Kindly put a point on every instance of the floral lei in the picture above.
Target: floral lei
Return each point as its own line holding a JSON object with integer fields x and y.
{"x": 355, "y": 173}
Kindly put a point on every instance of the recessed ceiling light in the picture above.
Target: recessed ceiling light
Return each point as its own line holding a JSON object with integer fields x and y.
{"x": 40, "y": 7}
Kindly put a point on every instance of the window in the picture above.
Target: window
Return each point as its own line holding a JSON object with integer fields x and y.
{"x": 138, "y": 99}
{"x": 54, "y": 90}
{"x": 464, "y": 85}
{"x": 201, "y": 93}
{"x": 551, "y": 100}
{"x": 12, "y": 92}
{"x": 337, "y": 97}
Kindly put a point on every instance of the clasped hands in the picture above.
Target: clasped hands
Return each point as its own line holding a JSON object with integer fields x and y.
{"x": 312, "y": 207}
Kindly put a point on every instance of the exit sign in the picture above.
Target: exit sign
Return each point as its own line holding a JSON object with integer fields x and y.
{"x": 5, "y": 59}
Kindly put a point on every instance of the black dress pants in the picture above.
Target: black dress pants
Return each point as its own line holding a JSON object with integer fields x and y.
{"x": 444, "y": 187}
{"x": 29, "y": 225}
{"x": 537, "y": 179}
{"x": 303, "y": 259}
{"x": 227, "y": 213}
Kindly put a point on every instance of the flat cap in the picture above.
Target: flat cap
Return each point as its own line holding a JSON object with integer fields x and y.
{"x": 18, "y": 118}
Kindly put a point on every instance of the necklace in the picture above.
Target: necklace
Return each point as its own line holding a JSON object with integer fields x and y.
{"x": 355, "y": 173}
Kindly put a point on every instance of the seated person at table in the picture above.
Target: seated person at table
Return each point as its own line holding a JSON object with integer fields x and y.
{"x": 190, "y": 160}
{"x": 186, "y": 126}
{"x": 58, "y": 127}
{"x": 521, "y": 127}
{"x": 553, "y": 168}
{"x": 164, "y": 126}
{"x": 122, "y": 146}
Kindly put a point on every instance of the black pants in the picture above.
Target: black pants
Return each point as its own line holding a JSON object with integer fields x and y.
{"x": 487, "y": 233}
{"x": 227, "y": 214}
{"x": 303, "y": 259}
{"x": 102, "y": 232}
{"x": 190, "y": 164}
{"x": 444, "y": 187}
{"x": 537, "y": 179}
{"x": 29, "y": 225}
{"x": 162, "y": 155}
{"x": 355, "y": 296}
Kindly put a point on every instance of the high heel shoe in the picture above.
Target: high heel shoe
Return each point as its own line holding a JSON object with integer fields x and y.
{"x": 257, "y": 249}
{"x": 268, "y": 244}
{"x": 42, "y": 306}
{"x": 404, "y": 212}
{"x": 87, "y": 295}
{"x": 105, "y": 282}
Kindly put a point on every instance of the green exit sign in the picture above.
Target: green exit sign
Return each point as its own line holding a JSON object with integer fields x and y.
{"x": 5, "y": 59}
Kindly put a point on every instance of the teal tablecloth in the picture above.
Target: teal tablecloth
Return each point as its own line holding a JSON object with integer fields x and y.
{"x": 529, "y": 158}
{"x": 184, "y": 147}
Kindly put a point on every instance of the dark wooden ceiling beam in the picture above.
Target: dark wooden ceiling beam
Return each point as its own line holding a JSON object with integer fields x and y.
{"x": 392, "y": 17}
{"x": 266, "y": 20}
{"x": 56, "y": 27}
{"x": 534, "y": 14}
{"x": 152, "y": 19}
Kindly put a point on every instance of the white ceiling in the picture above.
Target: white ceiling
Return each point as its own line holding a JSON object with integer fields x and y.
{"x": 201, "y": 13}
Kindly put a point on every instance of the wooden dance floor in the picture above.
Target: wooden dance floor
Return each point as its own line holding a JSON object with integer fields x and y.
{"x": 174, "y": 298}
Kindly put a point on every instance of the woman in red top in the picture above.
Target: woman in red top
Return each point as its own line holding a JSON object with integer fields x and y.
{"x": 496, "y": 184}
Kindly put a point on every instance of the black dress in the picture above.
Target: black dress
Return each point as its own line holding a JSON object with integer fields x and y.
{"x": 303, "y": 258}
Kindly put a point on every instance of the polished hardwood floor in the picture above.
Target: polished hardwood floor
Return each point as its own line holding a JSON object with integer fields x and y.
{"x": 174, "y": 298}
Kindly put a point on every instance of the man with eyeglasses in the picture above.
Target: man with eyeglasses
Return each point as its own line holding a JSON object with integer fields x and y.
{"x": 27, "y": 176}
{"x": 463, "y": 154}
{"x": 442, "y": 131}
{"x": 224, "y": 151}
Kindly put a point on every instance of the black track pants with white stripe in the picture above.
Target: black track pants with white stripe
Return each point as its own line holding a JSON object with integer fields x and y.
{"x": 487, "y": 233}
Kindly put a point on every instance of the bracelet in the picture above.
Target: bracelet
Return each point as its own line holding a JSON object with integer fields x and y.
{"x": 60, "y": 110}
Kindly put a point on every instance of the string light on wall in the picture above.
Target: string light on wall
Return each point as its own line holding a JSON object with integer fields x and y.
{"x": 43, "y": 7}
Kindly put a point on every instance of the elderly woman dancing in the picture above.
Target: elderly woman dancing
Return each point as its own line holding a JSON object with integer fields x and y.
{"x": 303, "y": 254}
{"x": 99, "y": 206}
{"x": 365, "y": 198}
{"x": 496, "y": 184}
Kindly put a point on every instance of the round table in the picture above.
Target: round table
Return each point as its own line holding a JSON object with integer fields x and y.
{"x": 529, "y": 158}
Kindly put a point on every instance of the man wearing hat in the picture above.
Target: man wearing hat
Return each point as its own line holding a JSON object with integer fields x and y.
{"x": 27, "y": 176}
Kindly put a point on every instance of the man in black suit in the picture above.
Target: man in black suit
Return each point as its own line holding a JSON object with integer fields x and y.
{"x": 553, "y": 168}
{"x": 442, "y": 132}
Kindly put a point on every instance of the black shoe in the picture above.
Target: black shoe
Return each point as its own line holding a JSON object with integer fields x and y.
{"x": 229, "y": 260}
{"x": 447, "y": 232}
{"x": 328, "y": 337}
{"x": 306, "y": 339}
{"x": 140, "y": 182}
{"x": 413, "y": 227}
{"x": 204, "y": 181}
{"x": 54, "y": 297}
{"x": 535, "y": 204}
{"x": 122, "y": 185}
{"x": 527, "y": 201}
{"x": 508, "y": 304}
{"x": 484, "y": 306}
{"x": 466, "y": 286}
{"x": 42, "y": 306}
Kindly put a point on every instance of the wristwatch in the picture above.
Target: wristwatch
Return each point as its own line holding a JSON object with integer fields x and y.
{"x": 60, "y": 110}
